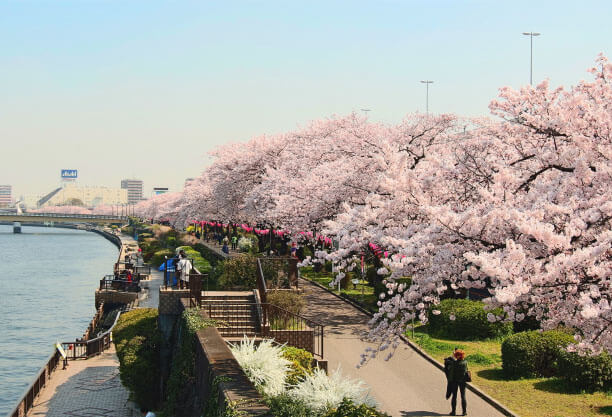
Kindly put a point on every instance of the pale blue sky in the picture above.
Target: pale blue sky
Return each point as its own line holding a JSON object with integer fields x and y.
{"x": 121, "y": 88}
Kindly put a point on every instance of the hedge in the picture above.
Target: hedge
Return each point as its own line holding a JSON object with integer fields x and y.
{"x": 534, "y": 353}
{"x": 137, "y": 340}
{"x": 586, "y": 372}
{"x": 158, "y": 257}
{"x": 199, "y": 262}
{"x": 239, "y": 272}
{"x": 470, "y": 321}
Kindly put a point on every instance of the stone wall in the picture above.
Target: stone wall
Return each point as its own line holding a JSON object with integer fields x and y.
{"x": 115, "y": 297}
{"x": 170, "y": 301}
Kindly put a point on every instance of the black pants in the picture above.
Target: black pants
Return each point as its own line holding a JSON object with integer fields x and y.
{"x": 453, "y": 389}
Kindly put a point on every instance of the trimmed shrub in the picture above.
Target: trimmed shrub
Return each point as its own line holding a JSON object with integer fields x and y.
{"x": 287, "y": 300}
{"x": 586, "y": 372}
{"x": 158, "y": 257}
{"x": 470, "y": 321}
{"x": 534, "y": 353}
{"x": 239, "y": 273}
{"x": 199, "y": 262}
{"x": 137, "y": 340}
{"x": 285, "y": 405}
{"x": 301, "y": 364}
{"x": 349, "y": 409}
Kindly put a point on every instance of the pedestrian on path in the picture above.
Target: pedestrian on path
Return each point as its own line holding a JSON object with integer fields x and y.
{"x": 225, "y": 249}
{"x": 185, "y": 267}
{"x": 448, "y": 363}
{"x": 458, "y": 376}
{"x": 234, "y": 242}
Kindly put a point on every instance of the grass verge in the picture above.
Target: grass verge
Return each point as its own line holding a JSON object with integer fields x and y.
{"x": 532, "y": 397}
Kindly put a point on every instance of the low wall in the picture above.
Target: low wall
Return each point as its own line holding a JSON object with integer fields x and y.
{"x": 302, "y": 339}
{"x": 215, "y": 364}
{"x": 115, "y": 240}
{"x": 170, "y": 301}
{"x": 115, "y": 297}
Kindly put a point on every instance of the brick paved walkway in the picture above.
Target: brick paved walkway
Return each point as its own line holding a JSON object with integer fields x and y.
{"x": 88, "y": 388}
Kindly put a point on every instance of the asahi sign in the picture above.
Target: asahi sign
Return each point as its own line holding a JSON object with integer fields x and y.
{"x": 69, "y": 174}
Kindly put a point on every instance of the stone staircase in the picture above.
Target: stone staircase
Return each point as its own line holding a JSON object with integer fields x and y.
{"x": 236, "y": 309}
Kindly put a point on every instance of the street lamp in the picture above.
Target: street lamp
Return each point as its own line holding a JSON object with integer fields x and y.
{"x": 365, "y": 112}
{"x": 427, "y": 82}
{"x": 531, "y": 35}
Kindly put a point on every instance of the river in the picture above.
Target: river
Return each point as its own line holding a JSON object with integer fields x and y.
{"x": 48, "y": 278}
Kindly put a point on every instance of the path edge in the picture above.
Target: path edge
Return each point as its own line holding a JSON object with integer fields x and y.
{"x": 496, "y": 404}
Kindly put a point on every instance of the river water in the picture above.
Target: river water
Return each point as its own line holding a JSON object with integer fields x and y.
{"x": 48, "y": 278}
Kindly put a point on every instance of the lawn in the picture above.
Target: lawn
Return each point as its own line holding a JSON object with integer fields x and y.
{"x": 536, "y": 397}
{"x": 362, "y": 293}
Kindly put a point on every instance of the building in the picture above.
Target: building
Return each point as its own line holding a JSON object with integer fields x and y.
{"x": 134, "y": 190}
{"x": 6, "y": 198}
{"x": 72, "y": 195}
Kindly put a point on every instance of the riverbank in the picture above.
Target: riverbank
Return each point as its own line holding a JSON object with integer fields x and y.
{"x": 119, "y": 251}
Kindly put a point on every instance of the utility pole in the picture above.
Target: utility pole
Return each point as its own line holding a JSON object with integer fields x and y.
{"x": 426, "y": 82}
{"x": 531, "y": 35}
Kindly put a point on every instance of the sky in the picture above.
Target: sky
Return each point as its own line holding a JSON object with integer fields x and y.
{"x": 145, "y": 89}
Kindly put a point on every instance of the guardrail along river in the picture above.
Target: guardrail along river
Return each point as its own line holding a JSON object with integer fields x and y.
{"x": 48, "y": 278}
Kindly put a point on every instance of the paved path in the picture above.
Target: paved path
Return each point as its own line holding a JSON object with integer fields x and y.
{"x": 87, "y": 388}
{"x": 406, "y": 385}
{"x": 215, "y": 247}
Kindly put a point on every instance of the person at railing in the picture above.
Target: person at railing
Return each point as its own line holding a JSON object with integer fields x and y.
{"x": 184, "y": 267}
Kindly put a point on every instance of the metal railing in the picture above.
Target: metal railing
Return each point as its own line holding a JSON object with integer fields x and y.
{"x": 44, "y": 375}
{"x": 111, "y": 282}
{"x": 238, "y": 319}
{"x": 278, "y": 272}
{"x": 75, "y": 216}
{"x": 79, "y": 350}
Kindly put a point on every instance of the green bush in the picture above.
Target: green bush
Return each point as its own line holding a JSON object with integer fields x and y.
{"x": 470, "y": 321}
{"x": 158, "y": 257}
{"x": 586, "y": 372}
{"x": 285, "y": 405}
{"x": 287, "y": 300}
{"x": 199, "y": 262}
{"x": 181, "y": 381}
{"x": 301, "y": 363}
{"x": 239, "y": 272}
{"x": 348, "y": 409}
{"x": 534, "y": 353}
{"x": 137, "y": 340}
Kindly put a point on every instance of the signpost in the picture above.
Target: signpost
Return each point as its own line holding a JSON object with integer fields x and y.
{"x": 69, "y": 174}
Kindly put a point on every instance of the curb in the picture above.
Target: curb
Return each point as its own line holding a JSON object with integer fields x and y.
{"x": 492, "y": 401}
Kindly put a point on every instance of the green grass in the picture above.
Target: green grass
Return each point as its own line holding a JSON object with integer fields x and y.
{"x": 533, "y": 397}
{"x": 363, "y": 293}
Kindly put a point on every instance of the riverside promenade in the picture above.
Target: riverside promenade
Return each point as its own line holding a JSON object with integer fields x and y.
{"x": 406, "y": 385}
{"x": 92, "y": 387}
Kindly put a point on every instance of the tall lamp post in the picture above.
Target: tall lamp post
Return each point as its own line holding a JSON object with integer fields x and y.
{"x": 427, "y": 82}
{"x": 531, "y": 35}
{"x": 365, "y": 112}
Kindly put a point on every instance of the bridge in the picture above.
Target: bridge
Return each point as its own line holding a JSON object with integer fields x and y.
{"x": 61, "y": 218}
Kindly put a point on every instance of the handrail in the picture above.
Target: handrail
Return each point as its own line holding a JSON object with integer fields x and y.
{"x": 27, "y": 399}
{"x": 69, "y": 215}
{"x": 261, "y": 283}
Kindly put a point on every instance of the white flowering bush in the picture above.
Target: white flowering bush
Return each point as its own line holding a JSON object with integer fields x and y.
{"x": 263, "y": 364}
{"x": 320, "y": 391}
{"x": 244, "y": 244}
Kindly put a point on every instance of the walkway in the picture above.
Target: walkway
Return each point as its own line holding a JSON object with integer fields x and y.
{"x": 87, "y": 388}
{"x": 406, "y": 385}
{"x": 215, "y": 247}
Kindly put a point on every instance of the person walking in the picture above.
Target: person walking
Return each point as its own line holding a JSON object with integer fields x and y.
{"x": 448, "y": 363}
{"x": 234, "y": 242}
{"x": 458, "y": 376}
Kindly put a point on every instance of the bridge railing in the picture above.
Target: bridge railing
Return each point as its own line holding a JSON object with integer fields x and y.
{"x": 74, "y": 216}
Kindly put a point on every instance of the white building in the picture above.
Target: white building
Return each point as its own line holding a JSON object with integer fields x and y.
{"x": 71, "y": 194}
{"x": 134, "y": 190}
{"x": 6, "y": 198}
